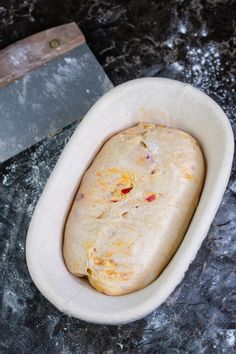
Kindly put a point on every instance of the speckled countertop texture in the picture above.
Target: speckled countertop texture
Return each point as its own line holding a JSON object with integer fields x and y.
{"x": 189, "y": 40}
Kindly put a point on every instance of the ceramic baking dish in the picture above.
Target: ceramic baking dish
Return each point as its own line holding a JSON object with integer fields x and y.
{"x": 156, "y": 100}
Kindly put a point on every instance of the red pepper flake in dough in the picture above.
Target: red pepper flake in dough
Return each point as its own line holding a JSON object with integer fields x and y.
{"x": 151, "y": 198}
{"x": 149, "y": 156}
{"x": 114, "y": 200}
{"x": 126, "y": 190}
{"x": 79, "y": 196}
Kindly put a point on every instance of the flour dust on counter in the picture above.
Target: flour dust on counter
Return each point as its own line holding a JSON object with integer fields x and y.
{"x": 22, "y": 181}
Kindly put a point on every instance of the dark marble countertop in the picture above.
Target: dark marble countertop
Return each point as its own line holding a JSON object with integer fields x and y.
{"x": 189, "y": 40}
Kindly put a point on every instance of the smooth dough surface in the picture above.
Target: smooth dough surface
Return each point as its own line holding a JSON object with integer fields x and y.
{"x": 133, "y": 207}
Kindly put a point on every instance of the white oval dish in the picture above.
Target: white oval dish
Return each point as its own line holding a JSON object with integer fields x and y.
{"x": 155, "y": 100}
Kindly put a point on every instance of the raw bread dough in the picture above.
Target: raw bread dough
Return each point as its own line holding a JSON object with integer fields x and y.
{"x": 133, "y": 207}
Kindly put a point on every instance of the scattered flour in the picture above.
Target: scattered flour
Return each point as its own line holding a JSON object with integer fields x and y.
{"x": 231, "y": 337}
{"x": 182, "y": 28}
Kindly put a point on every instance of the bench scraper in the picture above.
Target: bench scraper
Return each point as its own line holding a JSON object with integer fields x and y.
{"x": 47, "y": 81}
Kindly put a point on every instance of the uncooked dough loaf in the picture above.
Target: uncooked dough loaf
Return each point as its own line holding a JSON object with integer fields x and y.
{"x": 133, "y": 207}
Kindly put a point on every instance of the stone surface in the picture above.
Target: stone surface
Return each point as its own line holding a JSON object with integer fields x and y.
{"x": 190, "y": 40}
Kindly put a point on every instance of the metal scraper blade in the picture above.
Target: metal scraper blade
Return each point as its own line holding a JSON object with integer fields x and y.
{"x": 49, "y": 98}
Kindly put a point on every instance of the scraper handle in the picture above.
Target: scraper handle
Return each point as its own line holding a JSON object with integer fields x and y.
{"x": 31, "y": 52}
